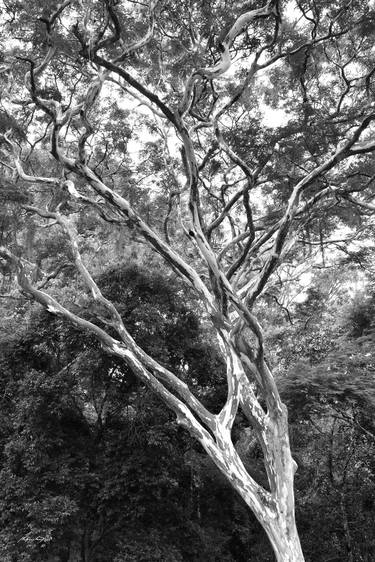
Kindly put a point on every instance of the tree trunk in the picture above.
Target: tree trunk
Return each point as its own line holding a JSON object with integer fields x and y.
{"x": 85, "y": 544}
{"x": 345, "y": 523}
{"x": 274, "y": 510}
{"x": 281, "y": 468}
{"x": 280, "y": 526}
{"x": 277, "y": 520}
{"x": 75, "y": 553}
{"x": 285, "y": 542}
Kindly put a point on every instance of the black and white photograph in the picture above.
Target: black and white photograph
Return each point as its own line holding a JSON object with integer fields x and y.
{"x": 187, "y": 281}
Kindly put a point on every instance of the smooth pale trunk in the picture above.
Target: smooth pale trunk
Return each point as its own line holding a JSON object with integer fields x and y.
{"x": 285, "y": 542}
{"x": 276, "y": 512}
{"x": 281, "y": 530}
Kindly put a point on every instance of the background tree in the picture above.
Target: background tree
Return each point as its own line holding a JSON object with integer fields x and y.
{"x": 93, "y": 466}
{"x": 329, "y": 390}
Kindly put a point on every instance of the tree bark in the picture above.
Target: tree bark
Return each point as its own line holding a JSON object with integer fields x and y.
{"x": 345, "y": 524}
{"x": 279, "y": 520}
{"x": 280, "y": 525}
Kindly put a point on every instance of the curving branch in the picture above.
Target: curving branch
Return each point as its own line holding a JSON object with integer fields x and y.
{"x": 19, "y": 168}
{"x": 362, "y": 204}
{"x": 149, "y": 372}
{"x": 349, "y": 148}
{"x": 209, "y": 73}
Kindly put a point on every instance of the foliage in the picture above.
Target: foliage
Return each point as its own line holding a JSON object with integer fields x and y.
{"x": 87, "y": 452}
{"x": 330, "y": 392}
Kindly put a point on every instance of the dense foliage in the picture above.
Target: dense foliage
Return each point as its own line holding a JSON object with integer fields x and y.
{"x": 94, "y": 468}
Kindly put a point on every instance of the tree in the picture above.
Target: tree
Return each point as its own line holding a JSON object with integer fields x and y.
{"x": 233, "y": 203}
{"x": 329, "y": 389}
{"x": 92, "y": 464}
